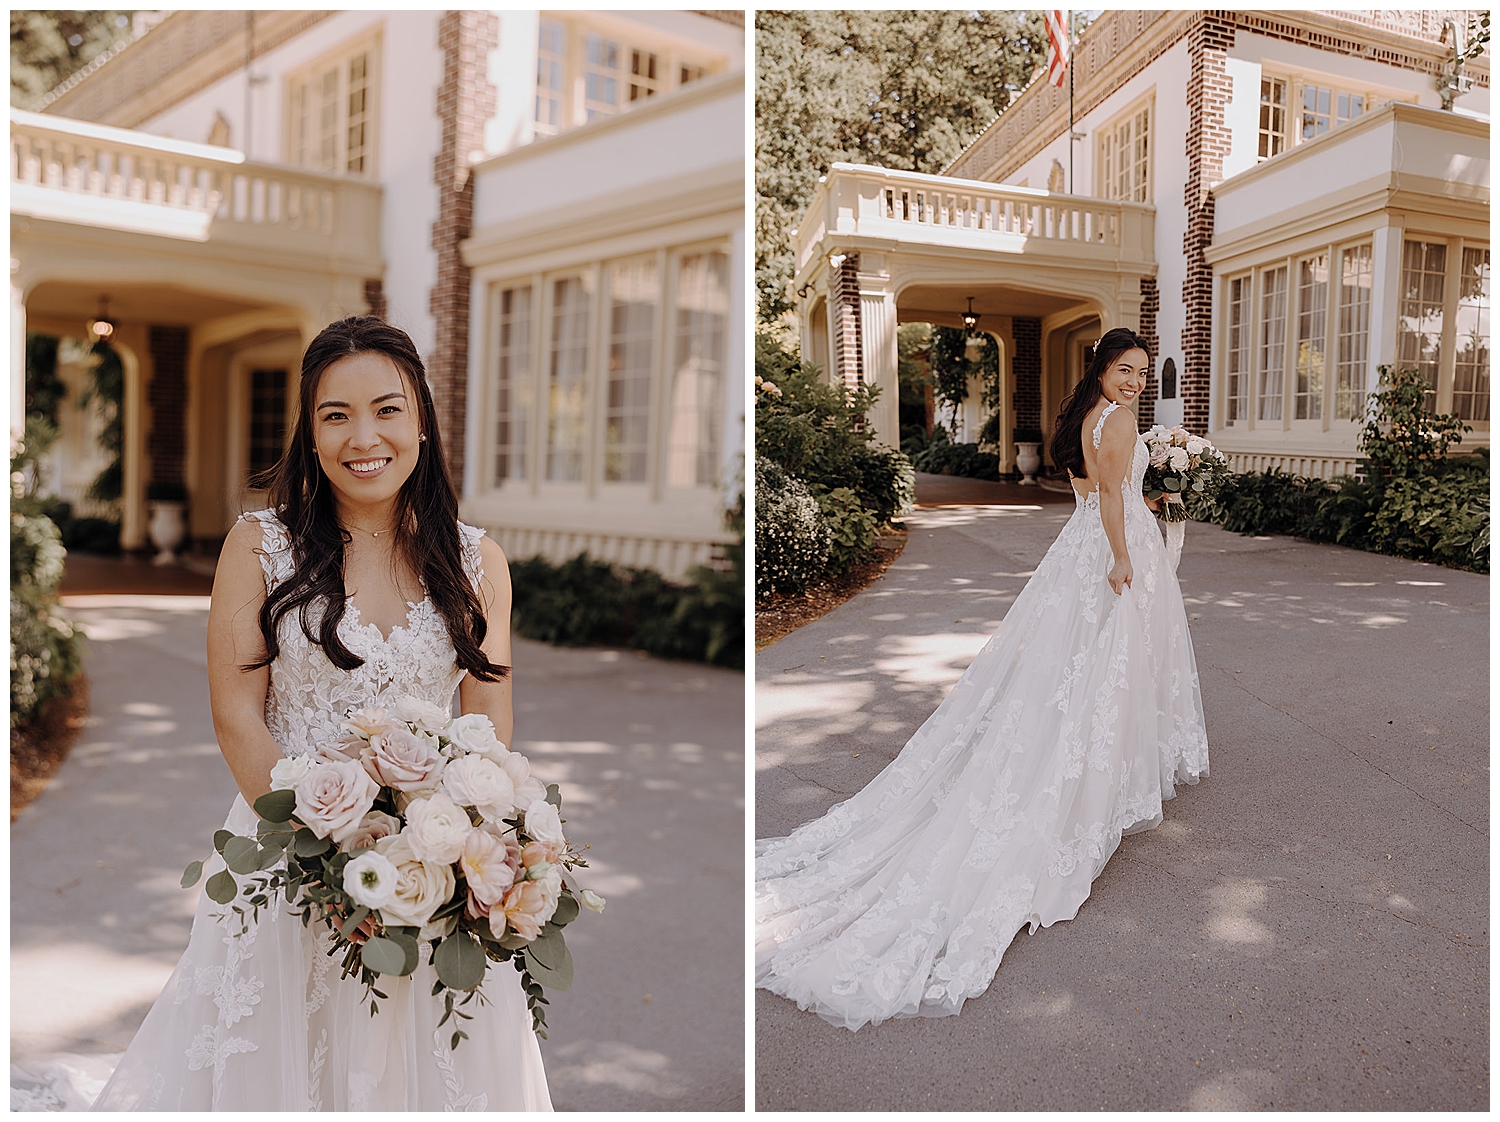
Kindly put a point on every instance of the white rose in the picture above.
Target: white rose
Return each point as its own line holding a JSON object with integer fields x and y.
{"x": 421, "y": 887}
{"x": 425, "y": 715}
{"x": 1178, "y": 458}
{"x": 481, "y": 783}
{"x": 370, "y": 880}
{"x": 436, "y": 828}
{"x": 332, "y": 798}
{"x": 552, "y": 886}
{"x": 1195, "y": 447}
{"x": 473, "y": 732}
{"x": 288, "y": 771}
{"x": 544, "y": 824}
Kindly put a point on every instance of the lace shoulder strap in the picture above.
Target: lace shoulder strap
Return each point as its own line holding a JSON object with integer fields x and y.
{"x": 468, "y": 540}
{"x": 1099, "y": 424}
{"x": 275, "y": 546}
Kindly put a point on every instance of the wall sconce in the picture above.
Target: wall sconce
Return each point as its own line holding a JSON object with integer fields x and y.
{"x": 102, "y": 327}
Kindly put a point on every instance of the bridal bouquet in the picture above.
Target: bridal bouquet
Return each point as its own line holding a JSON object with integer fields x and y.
{"x": 415, "y": 828}
{"x": 1181, "y": 464}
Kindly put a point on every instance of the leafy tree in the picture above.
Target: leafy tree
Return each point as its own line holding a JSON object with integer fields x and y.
{"x": 48, "y": 48}
{"x": 902, "y": 89}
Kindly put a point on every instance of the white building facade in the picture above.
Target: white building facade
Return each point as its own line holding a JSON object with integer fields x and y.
{"x": 1243, "y": 188}
{"x": 233, "y": 181}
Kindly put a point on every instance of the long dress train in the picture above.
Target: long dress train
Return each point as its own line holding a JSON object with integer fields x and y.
{"x": 262, "y": 1021}
{"x": 1069, "y": 729}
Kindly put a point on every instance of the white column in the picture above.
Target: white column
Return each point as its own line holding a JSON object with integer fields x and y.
{"x": 17, "y": 355}
{"x": 1385, "y": 303}
{"x": 736, "y": 410}
{"x": 877, "y": 327}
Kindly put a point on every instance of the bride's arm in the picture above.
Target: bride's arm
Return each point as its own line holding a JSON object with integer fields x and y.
{"x": 238, "y": 697}
{"x": 1116, "y": 447}
{"x": 493, "y": 699}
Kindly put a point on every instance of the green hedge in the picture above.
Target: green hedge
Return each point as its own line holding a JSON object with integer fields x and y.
{"x": 587, "y": 602}
{"x": 944, "y": 458}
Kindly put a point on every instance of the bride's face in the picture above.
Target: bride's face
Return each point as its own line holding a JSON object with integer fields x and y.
{"x": 366, "y": 430}
{"x": 1124, "y": 379}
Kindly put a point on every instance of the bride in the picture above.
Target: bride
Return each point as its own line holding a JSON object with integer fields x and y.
{"x": 359, "y": 586}
{"x": 1069, "y": 729}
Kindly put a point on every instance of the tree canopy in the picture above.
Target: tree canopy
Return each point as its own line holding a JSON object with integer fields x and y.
{"x": 48, "y": 48}
{"x": 903, "y": 89}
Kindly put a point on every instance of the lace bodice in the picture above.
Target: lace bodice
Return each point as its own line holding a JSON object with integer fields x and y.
{"x": 309, "y": 696}
{"x": 1133, "y": 482}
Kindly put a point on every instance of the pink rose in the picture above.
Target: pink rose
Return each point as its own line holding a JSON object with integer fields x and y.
{"x": 372, "y": 827}
{"x": 367, "y": 723}
{"x": 403, "y": 760}
{"x": 521, "y": 910}
{"x": 332, "y": 798}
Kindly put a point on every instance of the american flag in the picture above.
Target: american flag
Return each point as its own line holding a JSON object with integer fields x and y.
{"x": 1057, "y": 46}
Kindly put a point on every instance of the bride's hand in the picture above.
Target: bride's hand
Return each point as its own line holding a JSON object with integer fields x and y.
{"x": 1120, "y": 574}
{"x": 1152, "y": 504}
{"x": 335, "y": 919}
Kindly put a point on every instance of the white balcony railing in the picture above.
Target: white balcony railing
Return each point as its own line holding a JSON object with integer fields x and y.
{"x": 868, "y": 202}
{"x": 98, "y": 175}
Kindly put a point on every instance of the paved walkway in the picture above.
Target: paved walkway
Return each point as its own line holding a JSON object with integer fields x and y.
{"x": 650, "y": 757}
{"x": 1308, "y": 929}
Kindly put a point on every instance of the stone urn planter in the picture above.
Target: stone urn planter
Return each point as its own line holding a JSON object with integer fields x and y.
{"x": 168, "y": 525}
{"x": 1028, "y": 459}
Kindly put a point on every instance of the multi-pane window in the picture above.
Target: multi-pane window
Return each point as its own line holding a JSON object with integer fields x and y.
{"x": 601, "y": 76}
{"x": 551, "y": 65}
{"x": 267, "y": 419}
{"x": 1273, "y": 111}
{"x": 644, "y": 81}
{"x": 1312, "y": 331}
{"x": 331, "y": 114}
{"x": 686, "y": 74}
{"x": 1419, "y": 323}
{"x": 1237, "y": 407}
{"x": 513, "y": 384}
{"x": 1471, "y": 369}
{"x": 1324, "y": 109}
{"x": 1356, "y": 276}
{"x": 635, "y": 292}
{"x": 1124, "y": 157}
{"x": 695, "y": 419}
{"x": 1272, "y": 340}
{"x": 567, "y": 380}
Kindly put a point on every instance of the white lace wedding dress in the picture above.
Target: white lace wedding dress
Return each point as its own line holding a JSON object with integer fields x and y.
{"x": 1069, "y": 729}
{"x": 263, "y": 1021}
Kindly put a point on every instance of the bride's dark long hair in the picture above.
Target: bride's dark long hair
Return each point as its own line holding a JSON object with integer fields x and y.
{"x": 426, "y": 530}
{"x": 1067, "y": 433}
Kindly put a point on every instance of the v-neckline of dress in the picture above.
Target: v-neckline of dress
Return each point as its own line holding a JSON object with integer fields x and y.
{"x": 405, "y": 625}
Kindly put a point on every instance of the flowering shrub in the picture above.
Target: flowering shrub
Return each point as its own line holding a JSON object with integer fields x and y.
{"x": 792, "y": 538}
{"x": 852, "y": 529}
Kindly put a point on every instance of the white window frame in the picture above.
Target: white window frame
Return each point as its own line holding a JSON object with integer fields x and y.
{"x": 1448, "y": 338}
{"x": 1296, "y": 85}
{"x": 308, "y": 77}
{"x": 1106, "y": 150}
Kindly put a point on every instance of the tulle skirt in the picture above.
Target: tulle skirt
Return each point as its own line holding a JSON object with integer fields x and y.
{"x": 263, "y": 1021}
{"x": 1068, "y": 730}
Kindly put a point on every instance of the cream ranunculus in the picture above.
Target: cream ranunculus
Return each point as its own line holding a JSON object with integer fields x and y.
{"x": 367, "y": 723}
{"x": 370, "y": 880}
{"x": 422, "y": 887}
{"x": 403, "y": 760}
{"x": 544, "y": 824}
{"x": 528, "y": 788}
{"x": 332, "y": 798}
{"x": 479, "y": 782}
{"x": 425, "y": 715}
{"x": 436, "y": 828}
{"x": 488, "y": 867}
{"x": 372, "y": 827}
{"x": 288, "y": 771}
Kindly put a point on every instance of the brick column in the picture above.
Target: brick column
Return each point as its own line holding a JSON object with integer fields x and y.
{"x": 465, "y": 101}
{"x": 167, "y": 395}
{"x": 1208, "y": 89}
{"x": 843, "y": 303}
{"x": 1026, "y": 400}
{"x": 375, "y": 297}
{"x": 1150, "y": 306}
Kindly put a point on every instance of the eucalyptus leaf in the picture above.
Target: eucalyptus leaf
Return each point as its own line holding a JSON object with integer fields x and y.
{"x": 382, "y": 956}
{"x": 191, "y": 874}
{"x": 408, "y": 944}
{"x": 277, "y": 806}
{"x": 554, "y": 795}
{"x": 356, "y": 917}
{"x": 1172, "y": 484}
{"x": 220, "y": 837}
{"x": 220, "y": 887}
{"x": 241, "y": 855}
{"x": 308, "y": 844}
{"x": 459, "y": 961}
{"x": 567, "y": 910}
{"x": 268, "y": 856}
{"x": 549, "y": 961}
